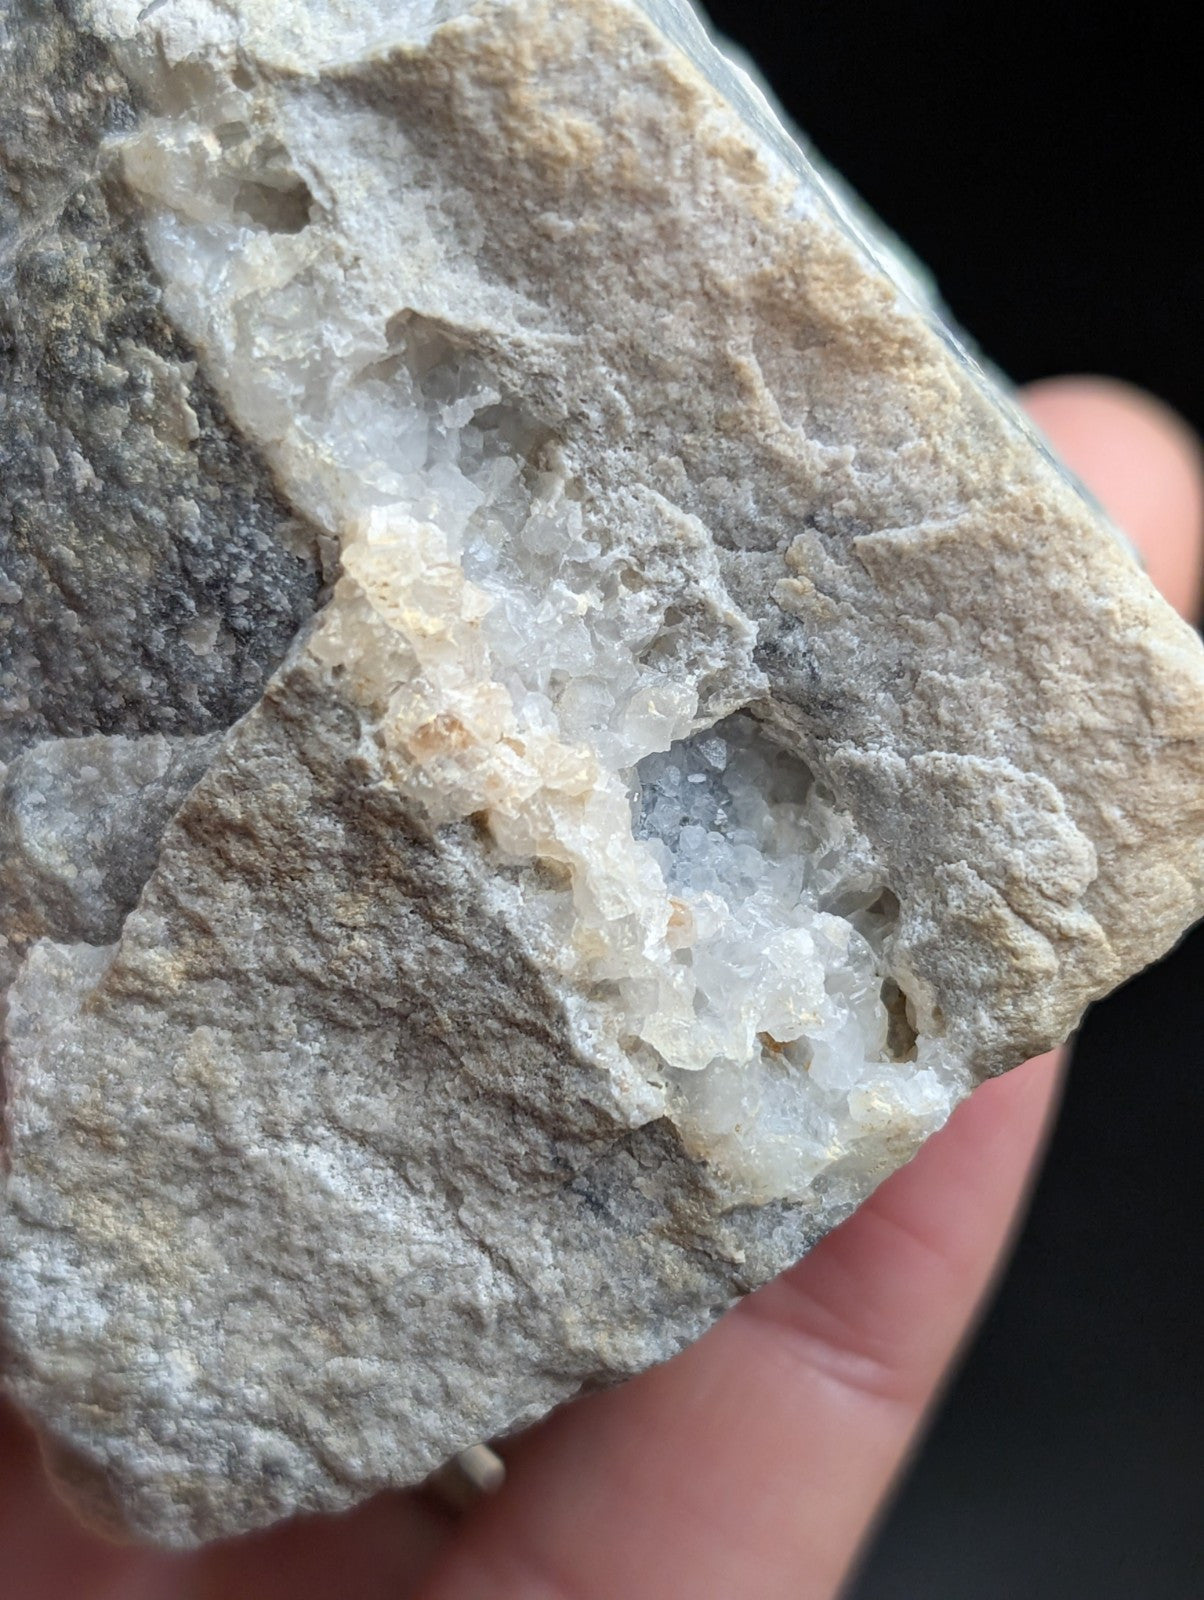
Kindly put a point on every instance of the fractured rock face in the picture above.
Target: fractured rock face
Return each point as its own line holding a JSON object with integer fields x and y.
{"x": 728, "y": 736}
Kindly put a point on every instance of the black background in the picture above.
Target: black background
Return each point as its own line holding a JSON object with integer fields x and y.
{"x": 1044, "y": 165}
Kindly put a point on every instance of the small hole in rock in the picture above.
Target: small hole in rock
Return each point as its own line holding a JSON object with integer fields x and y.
{"x": 285, "y": 210}
{"x": 552, "y": 874}
{"x": 229, "y": 134}
{"x": 900, "y": 1029}
{"x": 885, "y": 906}
{"x": 478, "y": 821}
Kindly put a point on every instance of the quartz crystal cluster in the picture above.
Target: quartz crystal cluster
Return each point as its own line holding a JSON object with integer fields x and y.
{"x": 556, "y": 723}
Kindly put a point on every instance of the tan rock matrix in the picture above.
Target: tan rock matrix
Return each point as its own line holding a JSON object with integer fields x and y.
{"x": 556, "y": 723}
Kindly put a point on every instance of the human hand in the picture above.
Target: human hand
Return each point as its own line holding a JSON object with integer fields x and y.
{"x": 754, "y": 1463}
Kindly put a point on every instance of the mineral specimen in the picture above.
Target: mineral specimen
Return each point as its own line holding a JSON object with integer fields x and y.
{"x": 557, "y": 723}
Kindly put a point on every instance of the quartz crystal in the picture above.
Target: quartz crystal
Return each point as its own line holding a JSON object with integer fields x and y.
{"x": 556, "y": 723}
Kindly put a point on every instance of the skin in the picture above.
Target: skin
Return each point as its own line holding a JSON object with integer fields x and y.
{"x": 756, "y": 1462}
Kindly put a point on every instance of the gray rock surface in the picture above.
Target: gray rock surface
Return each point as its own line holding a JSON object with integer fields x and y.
{"x": 80, "y": 824}
{"x": 729, "y": 736}
{"x": 150, "y": 576}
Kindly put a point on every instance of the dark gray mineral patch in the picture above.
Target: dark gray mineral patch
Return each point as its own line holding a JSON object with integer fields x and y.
{"x": 150, "y": 575}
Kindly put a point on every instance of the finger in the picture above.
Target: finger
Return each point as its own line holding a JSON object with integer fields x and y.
{"x": 45, "y": 1550}
{"x": 754, "y": 1463}
{"x": 1142, "y": 462}
{"x": 379, "y": 1551}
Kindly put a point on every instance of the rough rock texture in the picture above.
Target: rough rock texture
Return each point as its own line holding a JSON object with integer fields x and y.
{"x": 80, "y": 823}
{"x": 151, "y": 575}
{"x": 728, "y": 738}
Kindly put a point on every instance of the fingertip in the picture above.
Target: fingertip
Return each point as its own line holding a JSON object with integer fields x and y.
{"x": 1029, "y": 1091}
{"x": 1143, "y": 463}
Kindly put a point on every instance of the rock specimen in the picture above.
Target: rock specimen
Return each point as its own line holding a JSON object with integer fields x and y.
{"x": 557, "y": 723}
